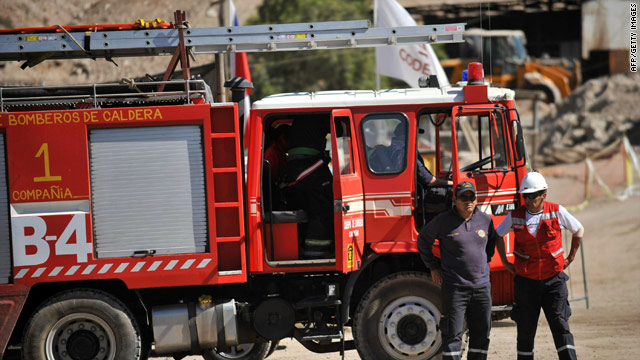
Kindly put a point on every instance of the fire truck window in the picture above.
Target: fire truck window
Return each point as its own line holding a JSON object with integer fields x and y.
{"x": 481, "y": 142}
{"x": 427, "y": 139}
{"x": 345, "y": 159}
{"x": 444, "y": 135}
{"x": 385, "y": 137}
{"x": 497, "y": 142}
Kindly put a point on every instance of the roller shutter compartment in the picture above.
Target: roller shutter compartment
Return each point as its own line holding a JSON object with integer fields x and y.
{"x": 147, "y": 190}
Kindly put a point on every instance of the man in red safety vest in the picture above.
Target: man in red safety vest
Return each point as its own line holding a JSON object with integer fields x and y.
{"x": 538, "y": 264}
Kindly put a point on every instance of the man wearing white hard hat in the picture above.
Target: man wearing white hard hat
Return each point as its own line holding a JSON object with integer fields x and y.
{"x": 539, "y": 261}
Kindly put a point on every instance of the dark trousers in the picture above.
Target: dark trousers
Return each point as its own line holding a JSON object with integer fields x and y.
{"x": 309, "y": 187}
{"x": 552, "y": 296}
{"x": 474, "y": 305}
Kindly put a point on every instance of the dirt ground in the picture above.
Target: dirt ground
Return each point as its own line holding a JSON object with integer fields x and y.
{"x": 609, "y": 328}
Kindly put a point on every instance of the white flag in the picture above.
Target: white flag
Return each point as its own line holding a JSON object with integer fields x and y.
{"x": 407, "y": 62}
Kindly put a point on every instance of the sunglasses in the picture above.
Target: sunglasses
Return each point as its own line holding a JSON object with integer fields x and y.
{"x": 467, "y": 197}
{"x": 532, "y": 195}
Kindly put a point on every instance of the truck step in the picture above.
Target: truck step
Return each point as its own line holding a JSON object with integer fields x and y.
{"x": 325, "y": 336}
{"x": 315, "y": 262}
{"x": 322, "y": 302}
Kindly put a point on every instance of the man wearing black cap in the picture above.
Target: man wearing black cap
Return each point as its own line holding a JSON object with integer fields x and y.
{"x": 467, "y": 242}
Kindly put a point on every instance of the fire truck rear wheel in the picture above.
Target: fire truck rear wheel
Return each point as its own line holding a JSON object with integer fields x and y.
{"x": 82, "y": 324}
{"x": 250, "y": 351}
{"x": 398, "y": 319}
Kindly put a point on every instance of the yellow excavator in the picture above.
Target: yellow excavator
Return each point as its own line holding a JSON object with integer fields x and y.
{"x": 506, "y": 64}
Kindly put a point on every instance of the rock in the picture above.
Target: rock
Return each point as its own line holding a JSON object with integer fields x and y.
{"x": 594, "y": 116}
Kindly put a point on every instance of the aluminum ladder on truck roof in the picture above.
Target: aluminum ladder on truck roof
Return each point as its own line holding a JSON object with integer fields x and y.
{"x": 36, "y": 46}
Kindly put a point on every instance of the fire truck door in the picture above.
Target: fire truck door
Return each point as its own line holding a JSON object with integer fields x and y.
{"x": 347, "y": 192}
{"x": 482, "y": 154}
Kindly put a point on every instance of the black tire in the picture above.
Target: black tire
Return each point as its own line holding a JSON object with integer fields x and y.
{"x": 250, "y": 351}
{"x": 398, "y": 319}
{"x": 551, "y": 92}
{"x": 272, "y": 348}
{"x": 82, "y": 324}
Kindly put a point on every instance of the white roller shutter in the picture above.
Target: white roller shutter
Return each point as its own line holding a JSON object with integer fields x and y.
{"x": 5, "y": 248}
{"x": 147, "y": 190}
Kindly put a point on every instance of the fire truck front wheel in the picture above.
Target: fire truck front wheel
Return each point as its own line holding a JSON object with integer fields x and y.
{"x": 82, "y": 324}
{"x": 398, "y": 319}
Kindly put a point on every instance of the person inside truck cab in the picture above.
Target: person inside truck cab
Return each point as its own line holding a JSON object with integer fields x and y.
{"x": 396, "y": 152}
{"x": 276, "y": 152}
{"x": 306, "y": 184}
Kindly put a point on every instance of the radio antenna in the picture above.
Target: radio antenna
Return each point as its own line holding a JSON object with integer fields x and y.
{"x": 490, "y": 47}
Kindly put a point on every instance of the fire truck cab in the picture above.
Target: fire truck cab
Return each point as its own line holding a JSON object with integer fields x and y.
{"x": 375, "y": 192}
{"x": 373, "y": 149}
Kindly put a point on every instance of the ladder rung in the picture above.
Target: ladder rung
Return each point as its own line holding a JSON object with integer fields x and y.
{"x": 330, "y": 39}
{"x": 255, "y": 38}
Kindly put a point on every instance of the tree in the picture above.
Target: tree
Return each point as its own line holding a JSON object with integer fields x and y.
{"x": 313, "y": 70}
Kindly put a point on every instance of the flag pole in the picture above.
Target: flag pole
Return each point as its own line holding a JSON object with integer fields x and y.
{"x": 375, "y": 24}
{"x": 219, "y": 59}
{"x": 231, "y": 55}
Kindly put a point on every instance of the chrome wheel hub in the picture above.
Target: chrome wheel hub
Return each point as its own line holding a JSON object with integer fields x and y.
{"x": 80, "y": 336}
{"x": 408, "y": 328}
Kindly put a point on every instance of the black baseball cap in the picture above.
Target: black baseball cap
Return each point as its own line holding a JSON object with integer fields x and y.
{"x": 465, "y": 186}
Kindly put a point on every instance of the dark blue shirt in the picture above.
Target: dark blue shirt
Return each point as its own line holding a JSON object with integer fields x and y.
{"x": 397, "y": 159}
{"x": 424, "y": 175}
{"x": 466, "y": 247}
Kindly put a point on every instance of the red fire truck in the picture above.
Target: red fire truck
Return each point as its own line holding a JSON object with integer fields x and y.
{"x": 131, "y": 224}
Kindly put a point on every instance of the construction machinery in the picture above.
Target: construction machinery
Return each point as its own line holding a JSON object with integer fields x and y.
{"x": 507, "y": 64}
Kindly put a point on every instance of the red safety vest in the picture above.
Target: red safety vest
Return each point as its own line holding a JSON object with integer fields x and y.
{"x": 538, "y": 257}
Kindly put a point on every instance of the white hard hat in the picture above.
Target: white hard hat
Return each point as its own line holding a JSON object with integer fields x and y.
{"x": 533, "y": 182}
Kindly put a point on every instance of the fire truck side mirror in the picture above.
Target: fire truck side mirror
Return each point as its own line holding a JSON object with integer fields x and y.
{"x": 430, "y": 81}
{"x": 519, "y": 140}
